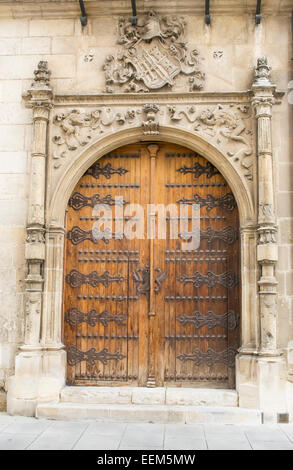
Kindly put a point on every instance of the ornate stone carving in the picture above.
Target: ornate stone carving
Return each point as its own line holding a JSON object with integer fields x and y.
{"x": 42, "y": 75}
{"x": 262, "y": 72}
{"x": 35, "y": 235}
{"x": 153, "y": 53}
{"x": 77, "y": 128}
{"x": 225, "y": 125}
{"x": 150, "y": 125}
{"x": 267, "y": 235}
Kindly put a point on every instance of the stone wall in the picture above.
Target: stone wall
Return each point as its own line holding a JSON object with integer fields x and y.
{"x": 76, "y": 56}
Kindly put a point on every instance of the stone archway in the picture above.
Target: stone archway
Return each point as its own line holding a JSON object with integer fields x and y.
{"x": 52, "y": 312}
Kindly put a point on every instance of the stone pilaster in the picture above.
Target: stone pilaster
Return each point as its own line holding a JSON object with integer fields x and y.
{"x": 39, "y": 98}
{"x": 267, "y": 250}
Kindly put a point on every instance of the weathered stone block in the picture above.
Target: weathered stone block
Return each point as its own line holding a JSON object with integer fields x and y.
{"x": 36, "y": 45}
{"x": 56, "y": 27}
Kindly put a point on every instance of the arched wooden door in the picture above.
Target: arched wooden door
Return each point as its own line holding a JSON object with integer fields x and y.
{"x": 146, "y": 311}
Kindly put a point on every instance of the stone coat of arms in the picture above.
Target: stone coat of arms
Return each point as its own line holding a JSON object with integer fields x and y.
{"x": 153, "y": 54}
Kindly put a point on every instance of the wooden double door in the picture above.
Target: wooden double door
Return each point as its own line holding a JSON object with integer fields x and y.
{"x": 141, "y": 308}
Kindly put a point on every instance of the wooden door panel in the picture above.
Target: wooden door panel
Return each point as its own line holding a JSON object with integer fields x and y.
{"x": 200, "y": 284}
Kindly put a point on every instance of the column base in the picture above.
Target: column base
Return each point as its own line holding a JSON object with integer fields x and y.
{"x": 39, "y": 376}
{"x": 261, "y": 384}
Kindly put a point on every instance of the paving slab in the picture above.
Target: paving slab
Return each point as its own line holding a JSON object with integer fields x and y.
{"x": 267, "y": 445}
{"x": 105, "y": 429}
{"x": 186, "y": 443}
{"x": 196, "y": 431}
{"x": 34, "y": 427}
{"x": 143, "y": 435}
{"x": 15, "y": 441}
{"x": 97, "y": 443}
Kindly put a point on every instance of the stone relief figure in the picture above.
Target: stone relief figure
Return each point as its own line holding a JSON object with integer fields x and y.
{"x": 77, "y": 128}
{"x": 150, "y": 125}
{"x": 224, "y": 124}
{"x": 153, "y": 54}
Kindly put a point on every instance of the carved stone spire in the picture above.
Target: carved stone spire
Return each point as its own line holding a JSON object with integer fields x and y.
{"x": 42, "y": 75}
{"x": 262, "y": 72}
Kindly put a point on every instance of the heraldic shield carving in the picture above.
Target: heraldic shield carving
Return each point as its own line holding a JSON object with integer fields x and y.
{"x": 153, "y": 53}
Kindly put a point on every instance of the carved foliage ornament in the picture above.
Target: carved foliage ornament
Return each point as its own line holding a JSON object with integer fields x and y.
{"x": 153, "y": 53}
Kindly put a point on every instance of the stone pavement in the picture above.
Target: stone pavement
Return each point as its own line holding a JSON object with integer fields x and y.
{"x": 18, "y": 433}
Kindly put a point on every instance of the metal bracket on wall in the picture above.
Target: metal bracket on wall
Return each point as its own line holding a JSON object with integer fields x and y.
{"x": 134, "y": 13}
{"x": 258, "y": 12}
{"x": 83, "y": 18}
{"x": 207, "y": 16}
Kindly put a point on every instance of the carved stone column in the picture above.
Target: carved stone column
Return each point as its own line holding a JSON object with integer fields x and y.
{"x": 267, "y": 249}
{"x": 39, "y": 98}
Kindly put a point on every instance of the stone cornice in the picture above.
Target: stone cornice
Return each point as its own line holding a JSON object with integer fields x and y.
{"x": 127, "y": 99}
{"x": 70, "y": 9}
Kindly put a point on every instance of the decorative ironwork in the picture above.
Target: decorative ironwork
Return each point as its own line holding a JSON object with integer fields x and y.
{"x": 77, "y": 235}
{"x": 228, "y": 279}
{"x": 161, "y": 276}
{"x": 142, "y": 277}
{"x": 76, "y": 278}
{"x": 78, "y": 201}
{"x": 197, "y": 170}
{"x": 211, "y": 357}
{"x": 226, "y": 202}
{"x": 230, "y": 319}
{"x": 74, "y": 317}
{"x": 97, "y": 170}
{"x": 228, "y": 235}
{"x": 75, "y": 356}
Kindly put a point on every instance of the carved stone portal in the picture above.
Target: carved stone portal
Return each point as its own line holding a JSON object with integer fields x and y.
{"x": 153, "y": 53}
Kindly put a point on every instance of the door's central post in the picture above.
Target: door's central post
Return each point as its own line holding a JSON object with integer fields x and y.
{"x": 153, "y": 150}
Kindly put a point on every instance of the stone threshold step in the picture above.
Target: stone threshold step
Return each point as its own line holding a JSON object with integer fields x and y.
{"x": 149, "y": 413}
{"x": 150, "y": 396}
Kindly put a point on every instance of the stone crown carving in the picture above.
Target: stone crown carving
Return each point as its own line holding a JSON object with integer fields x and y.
{"x": 153, "y": 53}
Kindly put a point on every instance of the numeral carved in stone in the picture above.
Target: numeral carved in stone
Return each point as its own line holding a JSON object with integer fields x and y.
{"x": 76, "y": 278}
{"x": 97, "y": 170}
{"x": 211, "y": 357}
{"x": 78, "y": 201}
{"x": 75, "y": 356}
{"x": 226, "y": 202}
{"x": 197, "y": 169}
{"x": 74, "y": 317}
{"x": 228, "y": 279}
{"x": 230, "y": 319}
